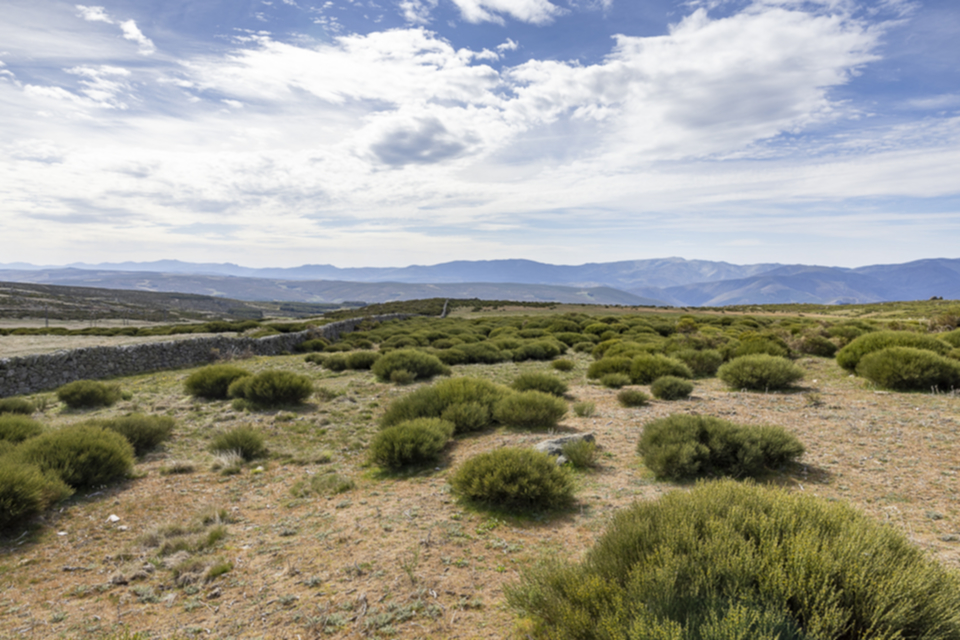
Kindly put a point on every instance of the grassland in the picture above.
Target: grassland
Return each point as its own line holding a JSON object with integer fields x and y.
{"x": 314, "y": 542}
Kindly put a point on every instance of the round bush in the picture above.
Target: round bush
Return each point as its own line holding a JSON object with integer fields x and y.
{"x": 683, "y": 446}
{"x": 702, "y": 363}
{"x": 760, "y": 372}
{"x": 604, "y": 366}
{"x": 246, "y": 441}
{"x": 632, "y": 398}
{"x": 212, "y": 382}
{"x": 952, "y": 338}
{"x": 530, "y": 410}
{"x": 908, "y": 369}
{"x": 538, "y": 350}
{"x": 317, "y": 344}
{"x": 757, "y": 345}
{"x": 817, "y": 346}
{"x": 513, "y": 479}
{"x": 732, "y": 560}
{"x": 671, "y": 388}
{"x": 80, "y": 455}
{"x": 335, "y": 362}
{"x": 467, "y": 416}
{"x": 20, "y": 406}
{"x": 17, "y": 428}
{"x": 648, "y": 367}
{"x": 849, "y": 356}
{"x": 563, "y": 364}
{"x": 26, "y": 490}
{"x": 315, "y": 358}
{"x": 414, "y": 442}
{"x": 85, "y": 394}
{"x": 615, "y": 380}
{"x": 423, "y": 366}
{"x": 482, "y": 353}
{"x": 362, "y": 360}
{"x": 272, "y": 388}
{"x": 435, "y": 400}
{"x": 144, "y": 432}
{"x": 536, "y": 381}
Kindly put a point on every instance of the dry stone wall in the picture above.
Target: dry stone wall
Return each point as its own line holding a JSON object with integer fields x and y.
{"x": 29, "y": 374}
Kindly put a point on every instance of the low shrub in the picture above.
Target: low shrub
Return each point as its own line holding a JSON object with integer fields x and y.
{"x": 703, "y": 363}
{"x": 20, "y": 406}
{"x": 563, "y": 364}
{"x": 513, "y": 479}
{"x": 272, "y": 388}
{"x": 584, "y": 409}
{"x": 402, "y": 377}
{"x": 335, "y": 362}
{"x": 732, "y": 560}
{"x": 316, "y": 344}
{"x": 760, "y": 345}
{"x": 530, "y": 410}
{"x": 582, "y": 454}
{"x": 436, "y": 400}
{"x": 648, "y": 367}
{"x": 414, "y": 442}
{"x": 760, "y": 372}
{"x": 849, "y": 356}
{"x": 632, "y": 398}
{"x": 482, "y": 353}
{"x": 362, "y": 360}
{"x": 815, "y": 345}
{"x": 583, "y": 347}
{"x": 604, "y": 366}
{"x": 16, "y": 428}
{"x": 315, "y": 358}
{"x": 80, "y": 455}
{"x": 324, "y": 484}
{"x": 952, "y": 338}
{"x": 615, "y": 380}
{"x": 908, "y": 369}
{"x": 423, "y": 366}
{"x": 684, "y": 446}
{"x": 212, "y": 382}
{"x": 246, "y": 441}
{"x": 26, "y": 490}
{"x": 671, "y": 388}
{"x": 86, "y": 394}
{"x": 538, "y": 350}
{"x": 144, "y": 432}
{"x": 536, "y": 381}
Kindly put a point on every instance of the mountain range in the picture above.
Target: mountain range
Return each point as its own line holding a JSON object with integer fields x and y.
{"x": 654, "y": 282}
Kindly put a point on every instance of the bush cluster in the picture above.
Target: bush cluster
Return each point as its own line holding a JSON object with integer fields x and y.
{"x": 671, "y": 388}
{"x": 815, "y": 345}
{"x": 145, "y": 433}
{"x": 728, "y": 560}
{"x": 26, "y": 490}
{"x": 16, "y": 405}
{"x": 849, "y": 357}
{"x": 536, "y": 381}
{"x": 760, "y": 372}
{"x": 615, "y": 380}
{"x": 648, "y": 367}
{"x": 86, "y": 394}
{"x": 632, "y": 398}
{"x": 684, "y": 446}
{"x": 702, "y": 363}
{"x": 81, "y": 455}
{"x": 530, "y": 410}
{"x": 513, "y": 479}
{"x": 212, "y": 382}
{"x": 909, "y": 369}
{"x": 422, "y": 366}
{"x": 272, "y": 388}
{"x": 17, "y": 428}
{"x": 245, "y": 441}
{"x": 466, "y": 402}
{"x": 414, "y": 442}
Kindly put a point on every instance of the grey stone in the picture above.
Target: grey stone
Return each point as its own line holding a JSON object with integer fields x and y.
{"x": 554, "y": 447}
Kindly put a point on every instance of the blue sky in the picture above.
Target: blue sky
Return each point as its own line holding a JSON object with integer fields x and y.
{"x": 397, "y": 132}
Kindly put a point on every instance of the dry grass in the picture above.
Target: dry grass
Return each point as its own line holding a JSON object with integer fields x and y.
{"x": 398, "y": 556}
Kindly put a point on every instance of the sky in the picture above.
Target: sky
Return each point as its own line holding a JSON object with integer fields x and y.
{"x": 398, "y": 132}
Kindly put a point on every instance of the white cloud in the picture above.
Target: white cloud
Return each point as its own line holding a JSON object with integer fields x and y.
{"x": 533, "y": 11}
{"x": 94, "y": 14}
{"x": 132, "y": 32}
{"x": 417, "y": 11}
{"x": 508, "y": 45}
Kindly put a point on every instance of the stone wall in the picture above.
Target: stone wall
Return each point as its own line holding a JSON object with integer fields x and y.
{"x": 29, "y": 374}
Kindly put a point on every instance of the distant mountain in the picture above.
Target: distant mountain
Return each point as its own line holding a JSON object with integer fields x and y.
{"x": 322, "y": 291}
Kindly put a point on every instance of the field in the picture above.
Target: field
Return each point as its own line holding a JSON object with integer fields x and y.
{"x": 315, "y": 542}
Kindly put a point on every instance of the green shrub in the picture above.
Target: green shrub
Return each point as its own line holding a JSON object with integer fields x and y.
{"x": 757, "y": 345}
{"x": 482, "y": 353}
{"x": 80, "y": 455}
{"x": 467, "y": 416}
{"x": 434, "y": 402}
{"x": 584, "y": 409}
{"x": 737, "y": 561}
{"x": 648, "y": 367}
{"x": 362, "y": 360}
{"x": 513, "y": 479}
{"x": 536, "y": 381}
{"x": 684, "y": 446}
{"x": 760, "y": 372}
{"x": 632, "y": 398}
{"x": 538, "y": 350}
{"x": 671, "y": 388}
{"x": 908, "y": 369}
{"x": 604, "y": 366}
{"x": 246, "y": 441}
{"x": 415, "y": 442}
{"x": 336, "y": 362}
{"x": 316, "y": 344}
{"x": 952, "y": 338}
{"x": 563, "y": 364}
{"x": 850, "y": 355}
{"x": 815, "y": 345}
{"x": 324, "y": 484}
{"x": 16, "y": 405}
{"x": 84, "y": 394}
{"x": 272, "y": 388}
{"x": 583, "y": 347}
{"x": 530, "y": 410}
{"x": 451, "y": 356}
{"x": 16, "y": 428}
{"x": 582, "y": 454}
{"x": 402, "y": 377}
{"x": 703, "y": 363}
{"x": 212, "y": 382}
{"x": 144, "y": 433}
{"x": 615, "y": 380}
{"x": 423, "y": 366}
{"x": 26, "y": 490}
